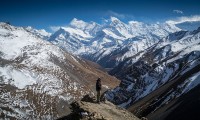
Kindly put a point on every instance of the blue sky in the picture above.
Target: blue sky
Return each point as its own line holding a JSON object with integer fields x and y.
{"x": 45, "y": 13}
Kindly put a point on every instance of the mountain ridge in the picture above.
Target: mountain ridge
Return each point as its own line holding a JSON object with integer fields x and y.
{"x": 38, "y": 80}
{"x": 92, "y": 37}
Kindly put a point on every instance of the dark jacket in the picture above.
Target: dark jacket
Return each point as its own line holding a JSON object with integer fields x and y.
{"x": 98, "y": 85}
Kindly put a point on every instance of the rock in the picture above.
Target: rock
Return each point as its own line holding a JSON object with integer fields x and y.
{"x": 144, "y": 118}
{"x": 87, "y": 98}
{"x": 82, "y": 110}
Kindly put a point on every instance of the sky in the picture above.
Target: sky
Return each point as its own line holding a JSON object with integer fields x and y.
{"x": 42, "y": 14}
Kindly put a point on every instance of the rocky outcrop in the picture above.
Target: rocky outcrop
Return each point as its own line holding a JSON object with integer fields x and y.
{"x": 90, "y": 110}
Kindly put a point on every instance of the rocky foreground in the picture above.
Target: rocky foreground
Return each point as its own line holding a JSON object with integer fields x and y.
{"x": 88, "y": 109}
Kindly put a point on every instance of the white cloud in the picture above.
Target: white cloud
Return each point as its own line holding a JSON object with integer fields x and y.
{"x": 119, "y": 15}
{"x": 194, "y": 18}
{"x": 112, "y": 13}
{"x": 54, "y": 28}
{"x": 178, "y": 11}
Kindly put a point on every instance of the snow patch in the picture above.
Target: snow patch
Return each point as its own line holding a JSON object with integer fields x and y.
{"x": 18, "y": 78}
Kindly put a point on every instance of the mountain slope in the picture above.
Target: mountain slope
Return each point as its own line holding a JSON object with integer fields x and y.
{"x": 166, "y": 104}
{"x": 164, "y": 62}
{"x": 38, "y": 80}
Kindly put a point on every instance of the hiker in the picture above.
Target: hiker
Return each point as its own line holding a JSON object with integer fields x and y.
{"x": 98, "y": 89}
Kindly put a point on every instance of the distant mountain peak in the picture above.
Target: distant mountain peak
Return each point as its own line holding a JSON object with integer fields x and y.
{"x": 114, "y": 19}
{"x": 78, "y": 23}
{"x": 92, "y": 36}
{"x": 42, "y": 33}
{"x": 135, "y": 23}
{"x": 75, "y": 20}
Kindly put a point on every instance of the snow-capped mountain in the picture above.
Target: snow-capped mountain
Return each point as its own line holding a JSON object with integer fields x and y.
{"x": 163, "y": 72}
{"x": 38, "y": 80}
{"x": 40, "y": 33}
{"x": 144, "y": 56}
{"x": 87, "y": 38}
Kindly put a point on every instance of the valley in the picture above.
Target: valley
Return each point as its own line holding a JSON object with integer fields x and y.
{"x": 151, "y": 70}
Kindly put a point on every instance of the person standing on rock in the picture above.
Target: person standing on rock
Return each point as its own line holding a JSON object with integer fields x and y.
{"x": 98, "y": 89}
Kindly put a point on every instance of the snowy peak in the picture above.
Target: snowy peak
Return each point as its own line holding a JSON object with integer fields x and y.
{"x": 135, "y": 23}
{"x": 115, "y": 21}
{"x": 84, "y": 36}
{"x": 80, "y": 24}
{"x": 40, "y": 33}
{"x": 84, "y": 26}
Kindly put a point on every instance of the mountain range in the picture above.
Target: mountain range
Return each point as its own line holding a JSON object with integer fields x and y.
{"x": 157, "y": 64}
{"x": 88, "y": 38}
{"x": 160, "y": 58}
